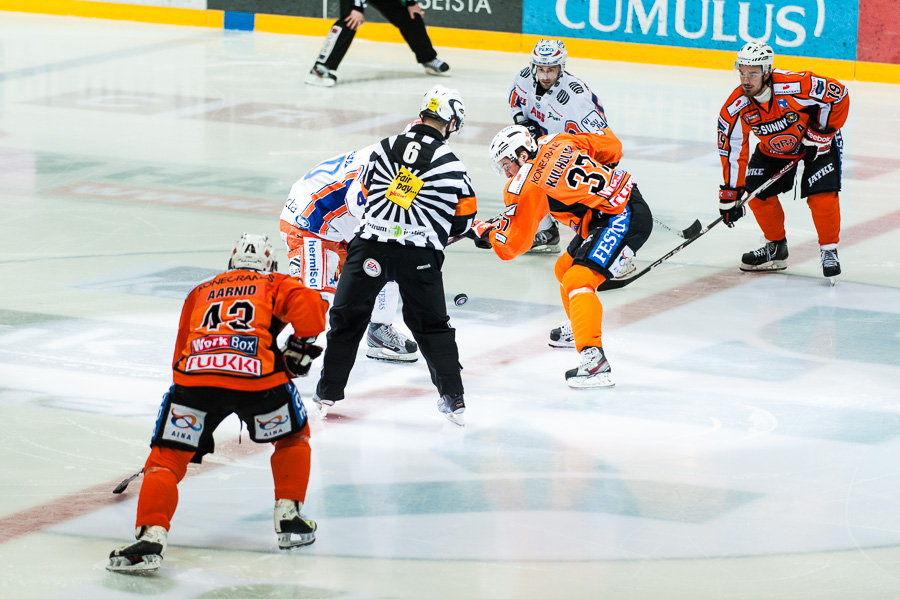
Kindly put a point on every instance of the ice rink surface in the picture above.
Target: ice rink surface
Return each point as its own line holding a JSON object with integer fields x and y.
{"x": 751, "y": 447}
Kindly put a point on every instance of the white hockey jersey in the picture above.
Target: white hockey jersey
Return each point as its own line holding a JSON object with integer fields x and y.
{"x": 567, "y": 107}
{"x": 328, "y": 200}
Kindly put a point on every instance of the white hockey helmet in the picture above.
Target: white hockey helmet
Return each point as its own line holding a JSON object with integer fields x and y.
{"x": 508, "y": 143}
{"x": 253, "y": 252}
{"x": 549, "y": 53}
{"x": 756, "y": 54}
{"x": 444, "y": 104}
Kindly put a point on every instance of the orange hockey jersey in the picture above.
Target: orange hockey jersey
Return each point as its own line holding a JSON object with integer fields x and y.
{"x": 799, "y": 101}
{"x": 572, "y": 178}
{"x": 226, "y": 336}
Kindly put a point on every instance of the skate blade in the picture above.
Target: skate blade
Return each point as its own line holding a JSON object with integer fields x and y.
{"x": 286, "y": 542}
{"x": 386, "y": 355}
{"x": 121, "y": 565}
{"x": 772, "y": 266}
{"x": 544, "y": 249}
{"x": 457, "y": 419}
{"x": 596, "y": 381}
{"x": 834, "y": 280}
{"x": 320, "y": 410}
{"x": 561, "y": 344}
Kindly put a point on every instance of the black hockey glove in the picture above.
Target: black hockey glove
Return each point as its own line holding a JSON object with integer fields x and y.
{"x": 730, "y": 206}
{"x": 533, "y": 129}
{"x": 299, "y": 354}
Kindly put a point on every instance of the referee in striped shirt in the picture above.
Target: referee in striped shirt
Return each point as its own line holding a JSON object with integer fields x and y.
{"x": 418, "y": 195}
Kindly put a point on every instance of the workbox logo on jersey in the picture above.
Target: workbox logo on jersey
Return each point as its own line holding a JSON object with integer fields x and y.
{"x": 223, "y": 362}
{"x": 821, "y": 28}
{"x": 404, "y": 188}
{"x": 778, "y": 126}
{"x": 245, "y": 344}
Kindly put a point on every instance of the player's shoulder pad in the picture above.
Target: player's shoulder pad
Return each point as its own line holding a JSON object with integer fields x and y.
{"x": 577, "y": 85}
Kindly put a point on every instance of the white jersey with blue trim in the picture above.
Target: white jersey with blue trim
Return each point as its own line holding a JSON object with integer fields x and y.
{"x": 567, "y": 107}
{"x": 328, "y": 200}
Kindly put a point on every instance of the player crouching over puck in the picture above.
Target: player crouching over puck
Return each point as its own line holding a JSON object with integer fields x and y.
{"x": 574, "y": 178}
{"x": 226, "y": 362}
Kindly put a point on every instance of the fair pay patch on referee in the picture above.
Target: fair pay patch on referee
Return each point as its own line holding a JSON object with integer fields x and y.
{"x": 403, "y": 188}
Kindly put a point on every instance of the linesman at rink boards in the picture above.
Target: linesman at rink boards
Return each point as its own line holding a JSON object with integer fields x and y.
{"x": 574, "y": 178}
{"x": 318, "y": 219}
{"x": 405, "y": 15}
{"x": 418, "y": 195}
{"x": 226, "y": 362}
{"x": 545, "y": 99}
{"x": 790, "y": 113}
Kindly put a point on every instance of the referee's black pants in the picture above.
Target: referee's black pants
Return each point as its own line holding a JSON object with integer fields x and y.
{"x": 339, "y": 37}
{"x": 417, "y": 271}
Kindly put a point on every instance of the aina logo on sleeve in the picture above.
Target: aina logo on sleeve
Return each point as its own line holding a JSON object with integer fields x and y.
{"x": 404, "y": 188}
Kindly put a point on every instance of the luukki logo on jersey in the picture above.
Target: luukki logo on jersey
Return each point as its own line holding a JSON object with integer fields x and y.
{"x": 371, "y": 267}
{"x": 223, "y": 362}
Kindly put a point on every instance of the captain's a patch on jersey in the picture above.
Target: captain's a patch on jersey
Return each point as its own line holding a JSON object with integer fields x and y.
{"x": 404, "y": 188}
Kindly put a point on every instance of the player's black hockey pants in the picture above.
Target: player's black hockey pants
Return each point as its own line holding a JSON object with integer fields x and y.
{"x": 417, "y": 271}
{"x": 339, "y": 37}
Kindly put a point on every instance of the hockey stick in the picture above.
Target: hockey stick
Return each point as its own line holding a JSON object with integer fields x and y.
{"x": 124, "y": 484}
{"x": 466, "y": 235}
{"x": 691, "y": 231}
{"x": 619, "y": 283}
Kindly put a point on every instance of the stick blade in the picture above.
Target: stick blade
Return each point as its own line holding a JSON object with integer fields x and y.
{"x": 693, "y": 230}
{"x": 120, "y": 488}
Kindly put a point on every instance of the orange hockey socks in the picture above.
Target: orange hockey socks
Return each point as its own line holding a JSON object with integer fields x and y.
{"x": 163, "y": 471}
{"x": 585, "y": 309}
{"x": 770, "y": 216}
{"x": 290, "y": 466}
{"x": 826, "y": 215}
{"x": 563, "y": 264}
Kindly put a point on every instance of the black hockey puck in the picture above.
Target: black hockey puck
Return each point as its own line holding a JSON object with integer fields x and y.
{"x": 461, "y": 299}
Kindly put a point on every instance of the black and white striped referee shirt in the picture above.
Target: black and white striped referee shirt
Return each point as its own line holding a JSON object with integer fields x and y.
{"x": 418, "y": 192}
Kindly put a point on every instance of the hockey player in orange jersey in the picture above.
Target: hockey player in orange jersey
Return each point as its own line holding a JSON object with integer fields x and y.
{"x": 574, "y": 178}
{"x": 226, "y": 362}
{"x": 790, "y": 113}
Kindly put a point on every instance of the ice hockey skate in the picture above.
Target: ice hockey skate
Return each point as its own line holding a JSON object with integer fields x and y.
{"x": 453, "y": 406}
{"x": 594, "y": 371}
{"x": 546, "y": 241}
{"x": 562, "y": 336}
{"x": 770, "y": 257}
{"x": 321, "y": 76}
{"x": 143, "y": 556}
{"x": 386, "y": 343}
{"x": 293, "y": 528}
{"x": 831, "y": 265}
{"x": 320, "y": 406}
{"x": 437, "y": 67}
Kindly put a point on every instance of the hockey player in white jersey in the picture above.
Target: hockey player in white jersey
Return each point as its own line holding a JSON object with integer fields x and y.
{"x": 545, "y": 99}
{"x": 318, "y": 219}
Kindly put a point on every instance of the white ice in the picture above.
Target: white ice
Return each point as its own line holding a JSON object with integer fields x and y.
{"x": 751, "y": 446}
